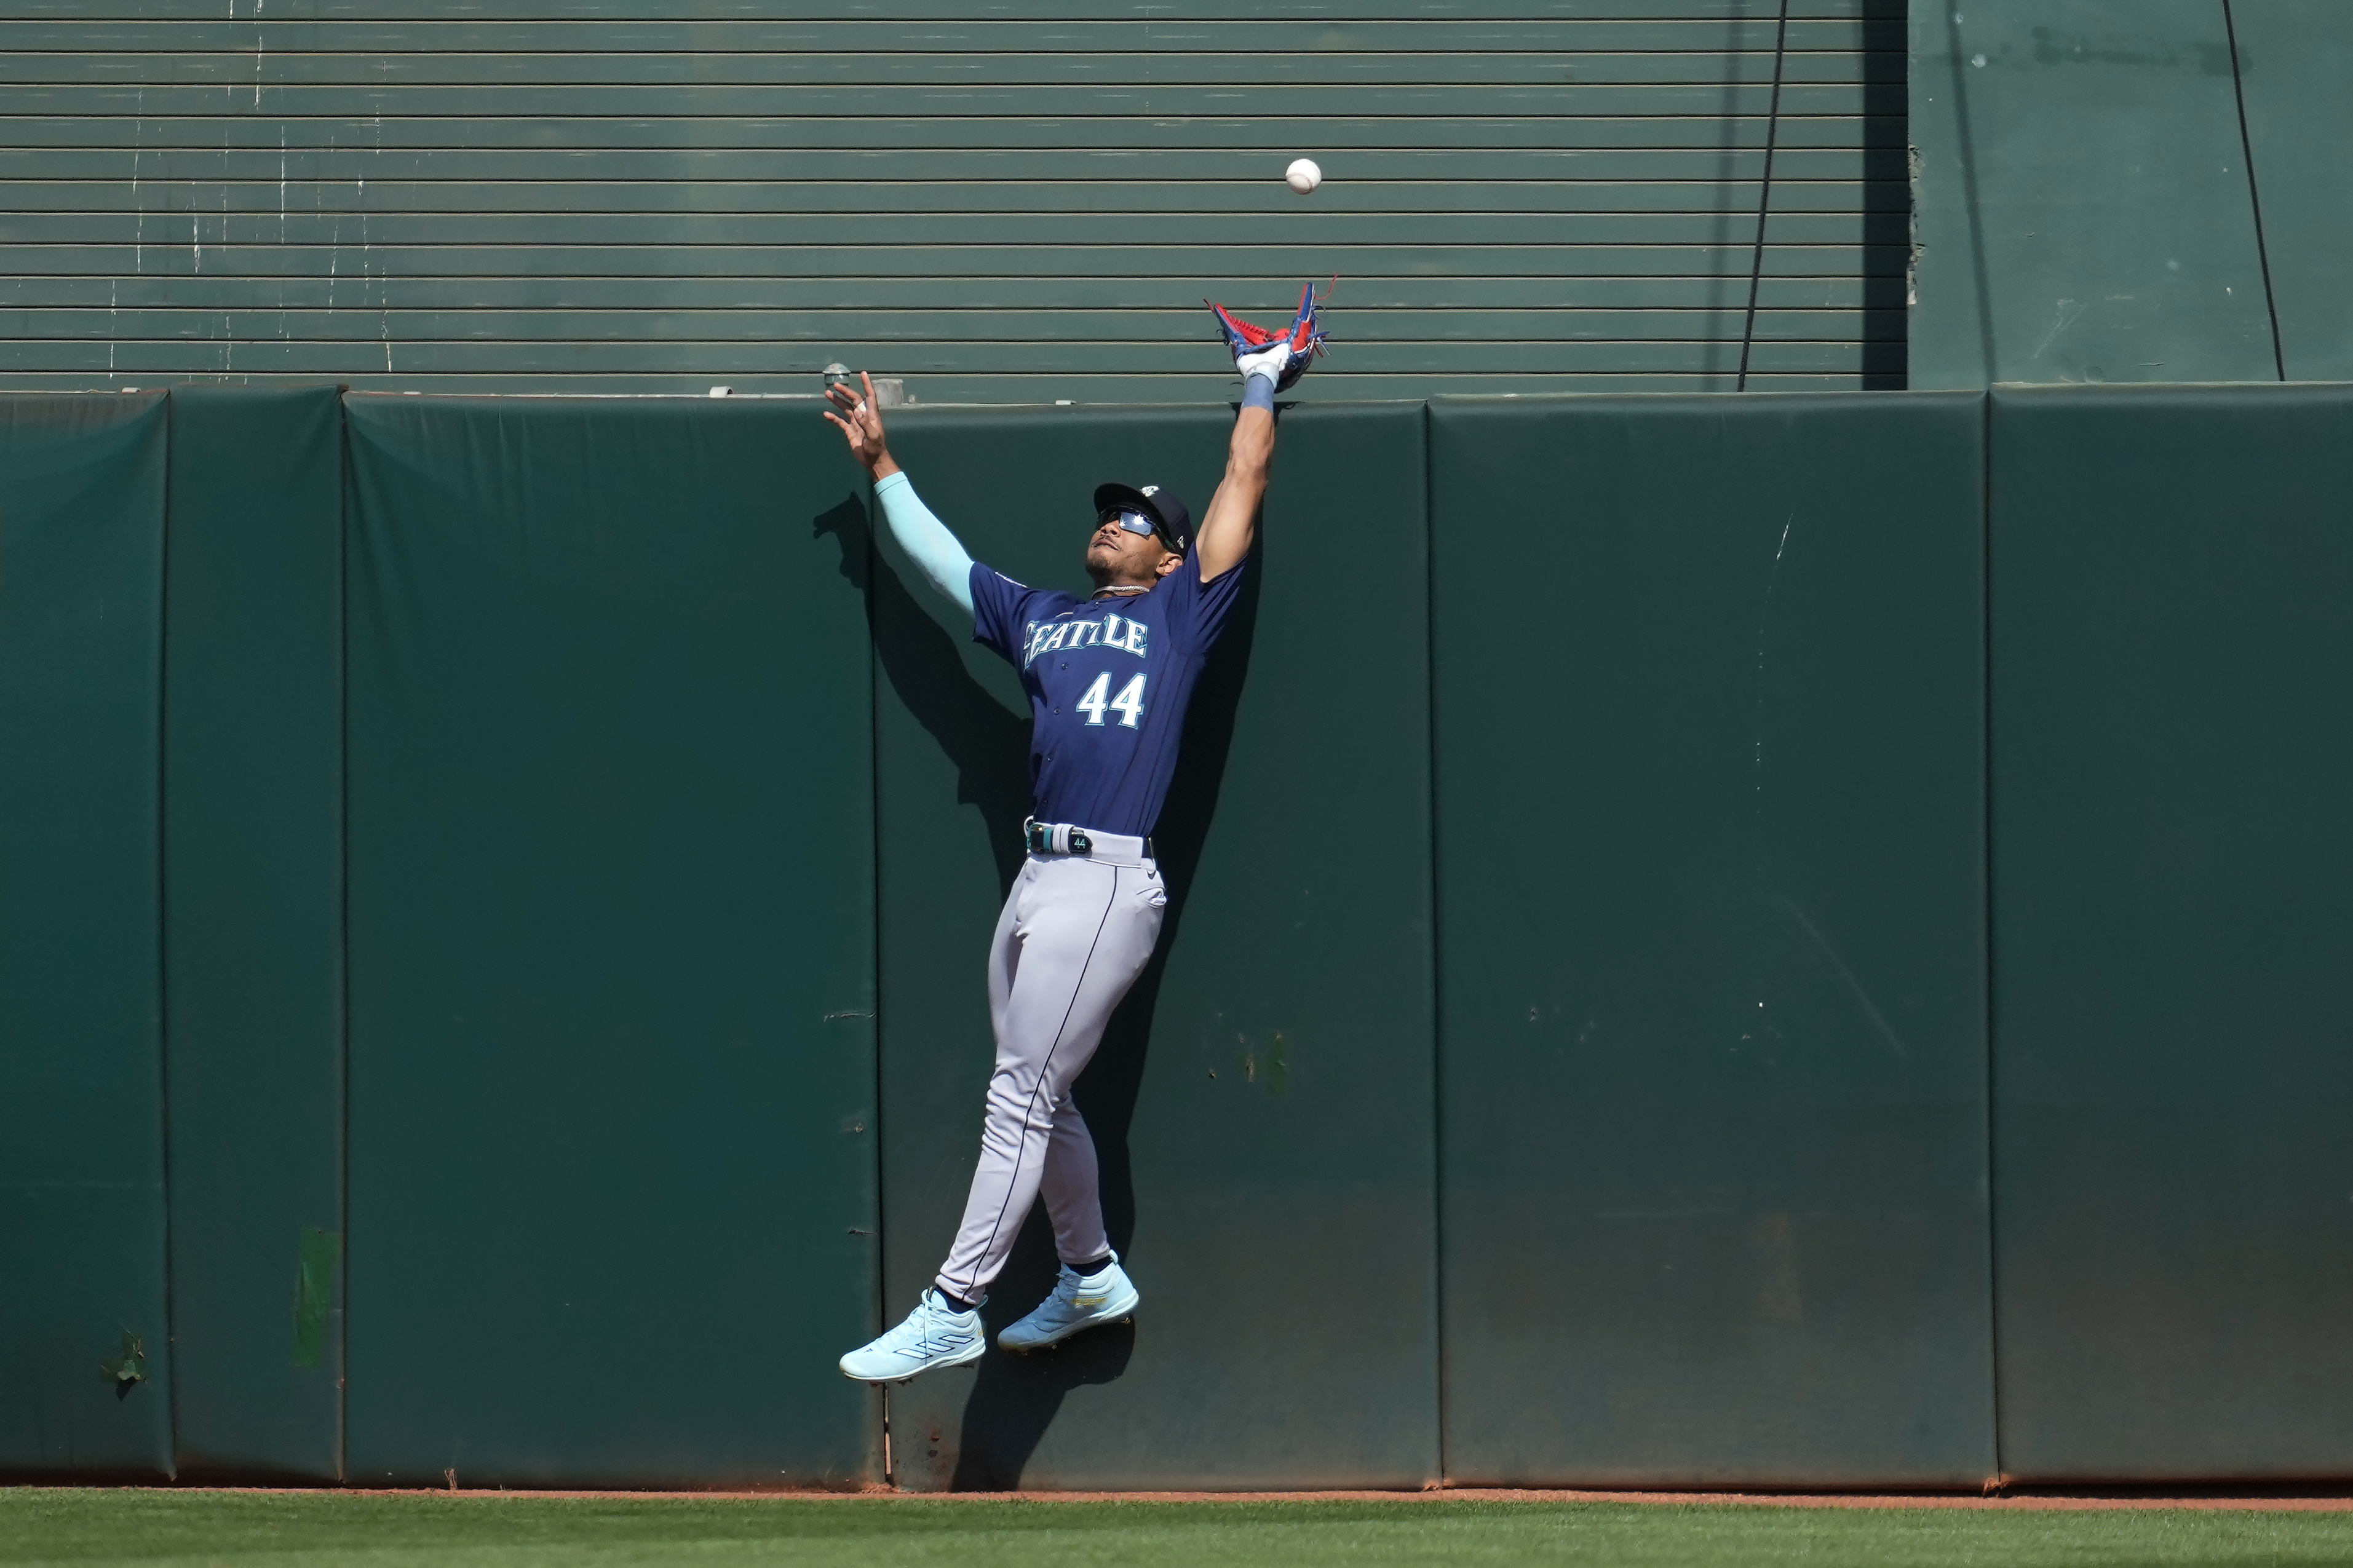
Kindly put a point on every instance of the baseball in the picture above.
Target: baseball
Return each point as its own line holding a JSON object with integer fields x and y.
{"x": 1302, "y": 175}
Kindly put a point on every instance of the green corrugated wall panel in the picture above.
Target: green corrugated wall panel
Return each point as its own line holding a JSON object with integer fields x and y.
{"x": 2296, "y": 69}
{"x": 937, "y": 14}
{"x": 612, "y": 1188}
{"x": 187, "y": 193}
{"x": 902, "y": 138}
{"x": 1263, "y": 1101}
{"x": 81, "y": 1072}
{"x": 1711, "y": 940}
{"x": 253, "y": 943}
{"x": 2082, "y": 196}
{"x": 1069, "y": 358}
{"x": 2172, "y": 1176}
{"x": 739, "y": 171}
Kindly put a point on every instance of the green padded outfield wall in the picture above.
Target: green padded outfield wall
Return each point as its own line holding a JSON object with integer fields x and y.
{"x": 2295, "y": 62}
{"x": 1013, "y": 203}
{"x": 2171, "y": 570}
{"x": 1263, "y": 1102}
{"x": 2081, "y": 192}
{"x": 85, "y": 1358}
{"x": 612, "y": 1174}
{"x": 1711, "y": 940}
{"x": 253, "y": 947}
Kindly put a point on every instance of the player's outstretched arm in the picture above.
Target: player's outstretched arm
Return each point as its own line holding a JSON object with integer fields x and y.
{"x": 944, "y": 562}
{"x": 1229, "y": 526}
{"x": 1269, "y": 362}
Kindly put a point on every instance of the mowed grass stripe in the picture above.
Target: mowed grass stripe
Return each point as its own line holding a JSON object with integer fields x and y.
{"x": 298, "y": 1531}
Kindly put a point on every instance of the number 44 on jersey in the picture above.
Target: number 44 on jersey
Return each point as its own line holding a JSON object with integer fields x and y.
{"x": 1128, "y": 704}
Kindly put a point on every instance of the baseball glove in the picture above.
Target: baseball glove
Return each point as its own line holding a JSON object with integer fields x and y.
{"x": 1286, "y": 354}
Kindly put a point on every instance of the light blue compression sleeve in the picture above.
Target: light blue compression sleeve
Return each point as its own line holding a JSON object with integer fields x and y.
{"x": 925, "y": 538}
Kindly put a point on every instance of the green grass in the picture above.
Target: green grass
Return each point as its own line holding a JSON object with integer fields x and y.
{"x": 296, "y": 1530}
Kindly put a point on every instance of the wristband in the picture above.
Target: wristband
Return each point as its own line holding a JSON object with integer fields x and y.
{"x": 1258, "y": 392}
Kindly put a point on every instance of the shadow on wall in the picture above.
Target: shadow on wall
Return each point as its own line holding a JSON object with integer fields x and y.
{"x": 1015, "y": 1398}
{"x": 990, "y": 747}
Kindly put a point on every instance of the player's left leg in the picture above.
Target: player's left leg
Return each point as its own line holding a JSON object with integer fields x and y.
{"x": 1091, "y": 1288}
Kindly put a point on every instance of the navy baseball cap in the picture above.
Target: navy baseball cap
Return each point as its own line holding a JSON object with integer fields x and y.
{"x": 1173, "y": 523}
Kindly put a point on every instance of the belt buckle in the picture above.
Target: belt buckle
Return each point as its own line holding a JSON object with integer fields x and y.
{"x": 1038, "y": 837}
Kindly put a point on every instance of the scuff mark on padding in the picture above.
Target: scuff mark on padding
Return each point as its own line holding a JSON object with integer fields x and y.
{"x": 316, "y": 1263}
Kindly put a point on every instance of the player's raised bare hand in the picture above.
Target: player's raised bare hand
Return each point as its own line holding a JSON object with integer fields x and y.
{"x": 861, "y": 421}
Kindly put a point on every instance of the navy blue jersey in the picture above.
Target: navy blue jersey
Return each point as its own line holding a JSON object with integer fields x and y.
{"x": 1108, "y": 681}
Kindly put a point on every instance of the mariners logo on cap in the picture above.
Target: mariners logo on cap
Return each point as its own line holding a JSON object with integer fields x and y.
{"x": 1149, "y": 490}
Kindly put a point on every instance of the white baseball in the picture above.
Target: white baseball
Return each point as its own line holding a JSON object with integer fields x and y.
{"x": 1302, "y": 175}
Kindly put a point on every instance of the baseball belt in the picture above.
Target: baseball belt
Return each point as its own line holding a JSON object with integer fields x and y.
{"x": 1062, "y": 838}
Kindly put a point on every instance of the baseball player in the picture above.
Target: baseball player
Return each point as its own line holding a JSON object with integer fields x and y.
{"x": 1108, "y": 676}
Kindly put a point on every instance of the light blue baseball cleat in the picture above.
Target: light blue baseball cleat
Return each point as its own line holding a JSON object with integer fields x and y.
{"x": 1078, "y": 1303}
{"x": 935, "y": 1335}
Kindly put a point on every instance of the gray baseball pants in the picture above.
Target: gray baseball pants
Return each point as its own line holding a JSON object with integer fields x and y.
{"x": 1075, "y": 932}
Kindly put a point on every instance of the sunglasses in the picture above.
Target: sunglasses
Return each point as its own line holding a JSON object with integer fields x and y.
{"x": 1136, "y": 523}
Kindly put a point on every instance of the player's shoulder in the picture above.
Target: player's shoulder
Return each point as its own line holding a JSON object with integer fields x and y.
{"x": 1187, "y": 581}
{"x": 990, "y": 584}
{"x": 1044, "y": 603}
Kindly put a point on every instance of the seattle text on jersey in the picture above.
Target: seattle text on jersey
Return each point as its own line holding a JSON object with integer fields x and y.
{"x": 1121, "y": 632}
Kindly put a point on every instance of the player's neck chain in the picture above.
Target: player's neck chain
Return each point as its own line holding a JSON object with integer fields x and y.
{"x": 1124, "y": 590}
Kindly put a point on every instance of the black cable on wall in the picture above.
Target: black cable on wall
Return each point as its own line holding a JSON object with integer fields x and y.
{"x": 1765, "y": 195}
{"x": 2255, "y": 198}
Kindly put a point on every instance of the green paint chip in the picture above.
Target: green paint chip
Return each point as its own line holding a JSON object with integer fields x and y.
{"x": 314, "y": 1290}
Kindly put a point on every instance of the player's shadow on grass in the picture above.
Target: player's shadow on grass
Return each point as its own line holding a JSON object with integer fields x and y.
{"x": 1015, "y": 1398}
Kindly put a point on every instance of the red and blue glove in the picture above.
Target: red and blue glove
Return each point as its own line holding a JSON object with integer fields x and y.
{"x": 1282, "y": 356}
